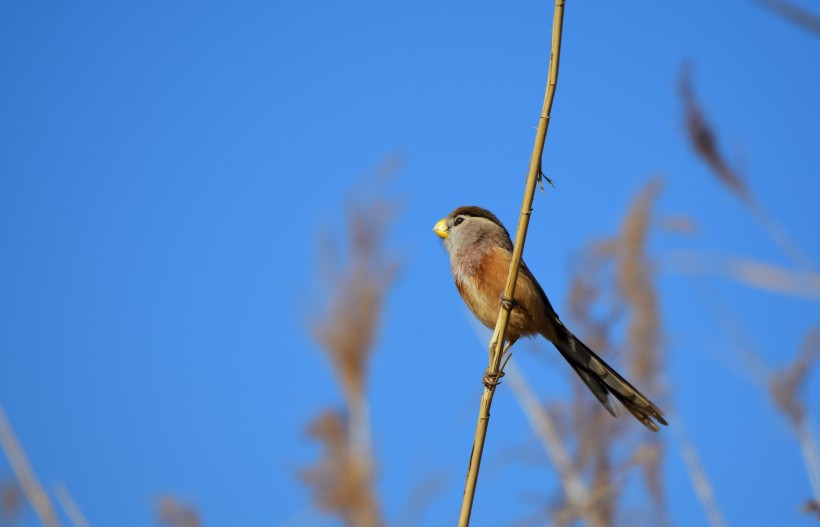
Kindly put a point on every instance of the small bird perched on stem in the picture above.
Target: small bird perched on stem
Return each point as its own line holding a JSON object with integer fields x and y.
{"x": 480, "y": 251}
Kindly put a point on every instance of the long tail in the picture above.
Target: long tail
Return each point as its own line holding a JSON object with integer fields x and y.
{"x": 602, "y": 380}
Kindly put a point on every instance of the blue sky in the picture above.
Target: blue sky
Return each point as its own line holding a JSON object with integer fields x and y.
{"x": 165, "y": 169}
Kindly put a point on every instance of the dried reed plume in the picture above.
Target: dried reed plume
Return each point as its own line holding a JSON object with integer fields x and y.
{"x": 635, "y": 283}
{"x": 594, "y": 433}
{"x": 613, "y": 278}
{"x": 703, "y": 138}
{"x": 782, "y": 386}
{"x": 170, "y": 512}
{"x": 635, "y": 279}
{"x": 343, "y": 481}
{"x": 34, "y": 492}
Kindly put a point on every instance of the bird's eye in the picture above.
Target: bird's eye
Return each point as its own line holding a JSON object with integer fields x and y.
{"x": 458, "y": 221}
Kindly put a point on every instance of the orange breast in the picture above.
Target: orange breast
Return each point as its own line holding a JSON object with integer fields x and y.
{"x": 481, "y": 289}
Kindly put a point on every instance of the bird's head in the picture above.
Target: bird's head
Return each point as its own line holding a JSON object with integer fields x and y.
{"x": 471, "y": 226}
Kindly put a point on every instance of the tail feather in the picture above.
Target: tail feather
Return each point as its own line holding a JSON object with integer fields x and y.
{"x": 602, "y": 380}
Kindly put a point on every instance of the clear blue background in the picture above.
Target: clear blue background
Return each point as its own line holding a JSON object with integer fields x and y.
{"x": 165, "y": 169}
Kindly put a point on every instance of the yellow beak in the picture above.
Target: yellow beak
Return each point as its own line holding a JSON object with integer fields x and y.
{"x": 441, "y": 228}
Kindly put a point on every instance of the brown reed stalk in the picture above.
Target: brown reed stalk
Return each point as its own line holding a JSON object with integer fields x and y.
{"x": 37, "y": 497}
{"x": 497, "y": 341}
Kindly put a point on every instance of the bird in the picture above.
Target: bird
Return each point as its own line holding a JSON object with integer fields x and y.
{"x": 480, "y": 251}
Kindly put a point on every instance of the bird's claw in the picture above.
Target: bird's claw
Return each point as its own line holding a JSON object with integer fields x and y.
{"x": 508, "y": 303}
{"x": 490, "y": 379}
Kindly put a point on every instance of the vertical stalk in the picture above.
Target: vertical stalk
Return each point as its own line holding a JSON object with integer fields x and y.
{"x": 497, "y": 341}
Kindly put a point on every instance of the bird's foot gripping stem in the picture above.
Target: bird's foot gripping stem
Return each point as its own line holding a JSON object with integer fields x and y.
{"x": 508, "y": 303}
{"x": 490, "y": 379}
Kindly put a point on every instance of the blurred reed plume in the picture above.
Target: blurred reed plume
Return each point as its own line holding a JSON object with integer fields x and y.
{"x": 643, "y": 352}
{"x": 170, "y": 512}
{"x": 783, "y": 386}
{"x": 343, "y": 482}
{"x": 704, "y": 139}
{"x": 612, "y": 285}
{"x": 702, "y": 136}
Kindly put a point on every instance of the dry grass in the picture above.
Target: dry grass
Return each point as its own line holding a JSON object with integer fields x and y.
{"x": 348, "y": 330}
{"x": 343, "y": 481}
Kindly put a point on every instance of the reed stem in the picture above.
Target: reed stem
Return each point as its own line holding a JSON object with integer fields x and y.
{"x": 497, "y": 341}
